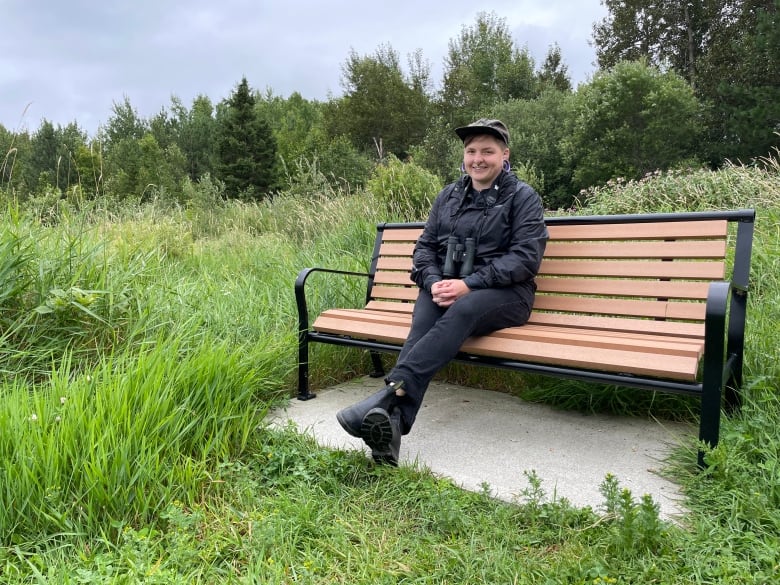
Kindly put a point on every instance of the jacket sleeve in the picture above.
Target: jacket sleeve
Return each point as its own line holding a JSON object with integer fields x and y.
{"x": 426, "y": 267}
{"x": 528, "y": 240}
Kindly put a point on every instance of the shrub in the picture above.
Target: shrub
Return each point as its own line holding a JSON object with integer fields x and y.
{"x": 406, "y": 189}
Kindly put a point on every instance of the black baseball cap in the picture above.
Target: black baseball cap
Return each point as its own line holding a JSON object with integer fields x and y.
{"x": 484, "y": 126}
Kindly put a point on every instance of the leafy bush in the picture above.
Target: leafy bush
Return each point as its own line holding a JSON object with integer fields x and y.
{"x": 406, "y": 190}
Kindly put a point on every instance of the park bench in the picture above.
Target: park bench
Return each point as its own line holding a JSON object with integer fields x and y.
{"x": 651, "y": 301}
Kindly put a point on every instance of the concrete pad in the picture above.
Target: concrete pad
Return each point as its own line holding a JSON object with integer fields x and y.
{"x": 477, "y": 437}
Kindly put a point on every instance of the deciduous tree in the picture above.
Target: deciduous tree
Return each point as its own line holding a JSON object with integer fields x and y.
{"x": 383, "y": 110}
{"x": 629, "y": 121}
{"x": 482, "y": 68}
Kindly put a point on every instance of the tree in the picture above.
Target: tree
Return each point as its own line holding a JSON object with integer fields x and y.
{"x": 483, "y": 68}
{"x": 196, "y": 135}
{"x": 554, "y": 73}
{"x": 297, "y": 124}
{"x": 629, "y": 121}
{"x": 670, "y": 33}
{"x": 124, "y": 123}
{"x": 538, "y": 129}
{"x": 728, "y": 50}
{"x": 246, "y": 148}
{"x": 382, "y": 110}
{"x": 740, "y": 80}
{"x": 42, "y": 166}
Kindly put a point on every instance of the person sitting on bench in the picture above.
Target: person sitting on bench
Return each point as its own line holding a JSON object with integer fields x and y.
{"x": 474, "y": 264}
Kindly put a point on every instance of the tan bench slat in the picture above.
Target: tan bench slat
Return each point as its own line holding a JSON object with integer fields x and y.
{"x": 595, "y": 339}
{"x": 361, "y": 329}
{"x": 395, "y": 249}
{"x": 394, "y": 277}
{"x": 634, "y": 335}
{"x": 618, "y": 324}
{"x": 401, "y": 234}
{"x": 640, "y": 231}
{"x": 394, "y": 292}
{"x": 394, "y": 263}
{"x": 390, "y": 306}
{"x": 638, "y": 269}
{"x": 401, "y": 319}
{"x": 627, "y": 307}
{"x": 618, "y": 249}
{"x": 622, "y": 287}
{"x": 610, "y": 360}
{"x": 561, "y": 351}
{"x": 383, "y": 317}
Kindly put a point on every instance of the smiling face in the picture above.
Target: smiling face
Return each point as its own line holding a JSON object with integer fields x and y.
{"x": 483, "y": 159}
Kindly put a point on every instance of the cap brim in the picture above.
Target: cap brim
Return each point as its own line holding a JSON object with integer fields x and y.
{"x": 466, "y": 131}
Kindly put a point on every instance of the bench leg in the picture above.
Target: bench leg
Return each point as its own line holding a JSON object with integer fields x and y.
{"x": 303, "y": 367}
{"x": 379, "y": 368}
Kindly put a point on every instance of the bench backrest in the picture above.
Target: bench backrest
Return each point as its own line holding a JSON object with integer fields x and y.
{"x": 642, "y": 273}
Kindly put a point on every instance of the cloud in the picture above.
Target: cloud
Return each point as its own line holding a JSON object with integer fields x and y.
{"x": 72, "y": 61}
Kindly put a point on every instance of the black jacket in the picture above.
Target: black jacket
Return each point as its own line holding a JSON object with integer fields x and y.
{"x": 507, "y": 223}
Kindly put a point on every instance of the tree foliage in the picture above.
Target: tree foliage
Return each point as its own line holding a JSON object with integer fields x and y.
{"x": 636, "y": 115}
{"x": 246, "y": 148}
{"x": 729, "y": 51}
{"x": 482, "y": 68}
{"x": 383, "y": 109}
{"x": 629, "y": 121}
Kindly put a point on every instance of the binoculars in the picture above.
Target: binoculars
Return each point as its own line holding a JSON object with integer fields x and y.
{"x": 460, "y": 257}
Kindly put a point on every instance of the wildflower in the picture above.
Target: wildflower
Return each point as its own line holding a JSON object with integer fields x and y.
{"x": 57, "y": 418}
{"x": 33, "y": 417}
{"x": 62, "y": 399}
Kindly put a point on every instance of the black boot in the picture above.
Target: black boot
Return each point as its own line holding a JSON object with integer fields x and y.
{"x": 382, "y": 432}
{"x": 351, "y": 418}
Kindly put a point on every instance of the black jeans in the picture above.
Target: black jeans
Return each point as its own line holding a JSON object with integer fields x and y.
{"x": 437, "y": 334}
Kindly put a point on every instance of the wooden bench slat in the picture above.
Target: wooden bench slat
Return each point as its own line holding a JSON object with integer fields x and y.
{"x": 390, "y": 306}
{"x": 361, "y": 329}
{"x": 619, "y": 249}
{"x": 394, "y": 263}
{"x": 395, "y": 249}
{"x": 623, "y": 287}
{"x": 640, "y": 231}
{"x": 609, "y": 360}
{"x": 619, "y": 324}
{"x": 595, "y": 339}
{"x": 394, "y": 292}
{"x": 672, "y": 364}
{"x": 401, "y": 234}
{"x": 405, "y": 319}
{"x": 396, "y": 277}
{"x": 344, "y": 320}
{"x": 625, "y": 307}
{"x": 638, "y": 269}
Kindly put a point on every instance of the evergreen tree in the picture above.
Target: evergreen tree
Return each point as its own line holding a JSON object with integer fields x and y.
{"x": 554, "y": 73}
{"x": 246, "y": 147}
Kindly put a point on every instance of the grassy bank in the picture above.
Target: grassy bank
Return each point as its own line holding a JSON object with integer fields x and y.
{"x": 140, "y": 350}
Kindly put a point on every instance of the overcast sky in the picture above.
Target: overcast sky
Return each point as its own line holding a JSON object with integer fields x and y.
{"x": 71, "y": 60}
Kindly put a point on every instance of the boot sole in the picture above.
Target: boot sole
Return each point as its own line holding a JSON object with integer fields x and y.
{"x": 377, "y": 432}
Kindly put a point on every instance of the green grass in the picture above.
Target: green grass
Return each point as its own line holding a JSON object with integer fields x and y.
{"x": 141, "y": 348}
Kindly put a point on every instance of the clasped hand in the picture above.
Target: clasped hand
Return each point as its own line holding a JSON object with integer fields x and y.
{"x": 446, "y": 292}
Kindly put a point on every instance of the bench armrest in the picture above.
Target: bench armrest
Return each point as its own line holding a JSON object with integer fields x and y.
{"x": 715, "y": 320}
{"x": 300, "y": 292}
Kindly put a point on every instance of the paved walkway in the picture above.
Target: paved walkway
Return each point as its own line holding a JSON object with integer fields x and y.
{"x": 478, "y": 437}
